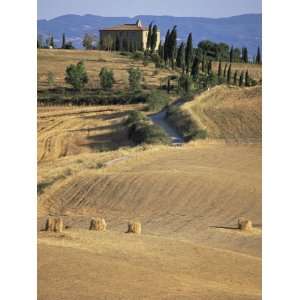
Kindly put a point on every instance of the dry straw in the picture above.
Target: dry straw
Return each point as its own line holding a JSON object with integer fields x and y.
{"x": 54, "y": 224}
{"x": 98, "y": 224}
{"x": 244, "y": 224}
{"x": 134, "y": 227}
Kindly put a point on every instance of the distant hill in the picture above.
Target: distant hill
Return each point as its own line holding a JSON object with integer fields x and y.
{"x": 243, "y": 30}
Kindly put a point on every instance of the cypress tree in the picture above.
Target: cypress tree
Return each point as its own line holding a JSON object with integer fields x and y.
{"x": 229, "y": 74}
{"x": 51, "y": 42}
{"x": 231, "y": 55}
{"x": 172, "y": 45}
{"x": 247, "y": 79}
{"x": 63, "y": 44}
{"x": 166, "y": 46}
{"x": 161, "y": 51}
{"x": 209, "y": 67}
{"x": 148, "y": 44}
{"x": 245, "y": 55}
{"x": 153, "y": 40}
{"x": 195, "y": 68}
{"x": 203, "y": 65}
{"x": 220, "y": 69}
{"x": 241, "y": 81}
{"x": 235, "y": 77}
{"x": 225, "y": 71}
{"x": 180, "y": 56}
{"x": 118, "y": 46}
{"x": 189, "y": 52}
{"x": 258, "y": 56}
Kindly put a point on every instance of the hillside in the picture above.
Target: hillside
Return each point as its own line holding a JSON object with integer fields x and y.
{"x": 240, "y": 31}
{"x": 229, "y": 113}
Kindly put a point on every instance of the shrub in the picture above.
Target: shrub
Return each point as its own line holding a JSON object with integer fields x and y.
{"x": 142, "y": 131}
{"x": 185, "y": 83}
{"x": 76, "y": 75}
{"x": 138, "y": 55}
{"x": 156, "y": 100}
{"x": 135, "y": 77}
{"x": 106, "y": 78}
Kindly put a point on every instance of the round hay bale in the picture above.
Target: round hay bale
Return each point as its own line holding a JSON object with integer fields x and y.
{"x": 59, "y": 225}
{"x": 54, "y": 224}
{"x": 134, "y": 227}
{"x": 49, "y": 224}
{"x": 245, "y": 225}
{"x": 98, "y": 224}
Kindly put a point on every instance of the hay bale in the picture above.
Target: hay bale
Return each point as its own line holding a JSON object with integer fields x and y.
{"x": 134, "y": 227}
{"x": 54, "y": 224}
{"x": 98, "y": 224}
{"x": 244, "y": 224}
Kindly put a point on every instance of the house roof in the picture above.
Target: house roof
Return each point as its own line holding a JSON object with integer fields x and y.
{"x": 126, "y": 27}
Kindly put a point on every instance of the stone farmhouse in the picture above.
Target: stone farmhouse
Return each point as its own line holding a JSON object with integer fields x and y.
{"x": 126, "y": 37}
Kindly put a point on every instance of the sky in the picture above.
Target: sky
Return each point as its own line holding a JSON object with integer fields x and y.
{"x": 48, "y": 9}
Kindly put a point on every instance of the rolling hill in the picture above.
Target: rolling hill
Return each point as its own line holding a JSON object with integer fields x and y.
{"x": 240, "y": 31}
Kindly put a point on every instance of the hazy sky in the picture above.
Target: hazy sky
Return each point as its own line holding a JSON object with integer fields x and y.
{"x": 48, "y": 9}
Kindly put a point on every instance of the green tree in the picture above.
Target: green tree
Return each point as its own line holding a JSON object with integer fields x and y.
{"x": 180, "y": 56}
{"x": 195, "y": 68}
{"x": 51, "y": 43}
{"x": 117, "y": 44}
{"x": 76, "y": 75}
{"x": 203, "y": 65}
{"x": 135, "y": 77}
{"x": 229, "y": 75}
{"x": 172, "y": 46}
{"x": 148, "y": 44}
{"x": 166, "y": 47}
{"x": 185, "y": 83}
{"x": 63, "y": 44}
{"x": 88, "y": 41}
{"x": 106, "y": 78}
{"x": 161, "y": 51}
{"x": 189, "y": 53}
{"x": 231, "y": 54}
{"x": 258, "y": 56}
{"x": 220, "y": 69}
{"x": 225, "y": 71}
{"x": 209, "y": 67}
{"x": 241, "y": 81}
{"x": 235, "y": 77}
{"x": 247, "y": 79}
{"x": 245, "y": 55}
{"x": 153, "y": 41}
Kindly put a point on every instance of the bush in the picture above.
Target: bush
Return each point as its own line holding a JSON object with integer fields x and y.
{"x": 156, "y": 100}
{"x": 76, "y": 75}
{"x": 138, "y": 55}
{"x": 106, "y": 78}
{"x": 135, "y": 77}
{"x": 141, "y": 131}
{"x": 185, "y": 83}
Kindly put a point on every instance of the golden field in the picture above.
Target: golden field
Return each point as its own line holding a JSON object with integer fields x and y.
{"x": 188, "y": 198}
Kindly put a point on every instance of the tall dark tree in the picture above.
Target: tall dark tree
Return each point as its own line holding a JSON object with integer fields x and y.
{"x": 161, "y": 51}
{"x": 153, "y": 40}
{"x": 231, "y": 54}
{"x": 172, "y": 45}
{"x": 235, "y": 77}
{"x": 180, "y": 56}
{"x": 225, "y": 71}
{"x": 203, "y": 65}
{"x": 258, "y": 56}
{"x": 117, "y": 44}
{"x": 229, "y": 74}
{"x": 241, "y": 81}
{"x": 166, "y": 47}
{"x": 247, "y": 79}
{"x": 195, "y": 68}
{"x": 209, "y": 67}
{"x": 220, "y": 69}
{"x": 245, "y": 55}
{"x": 189, "y": 53}
{"x": 63, "y": 44}
{"x": 148, "y": 44}
{"x": 51, "y": 42}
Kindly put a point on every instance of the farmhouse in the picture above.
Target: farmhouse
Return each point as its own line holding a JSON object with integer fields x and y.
{"x": 126, "y": 37}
